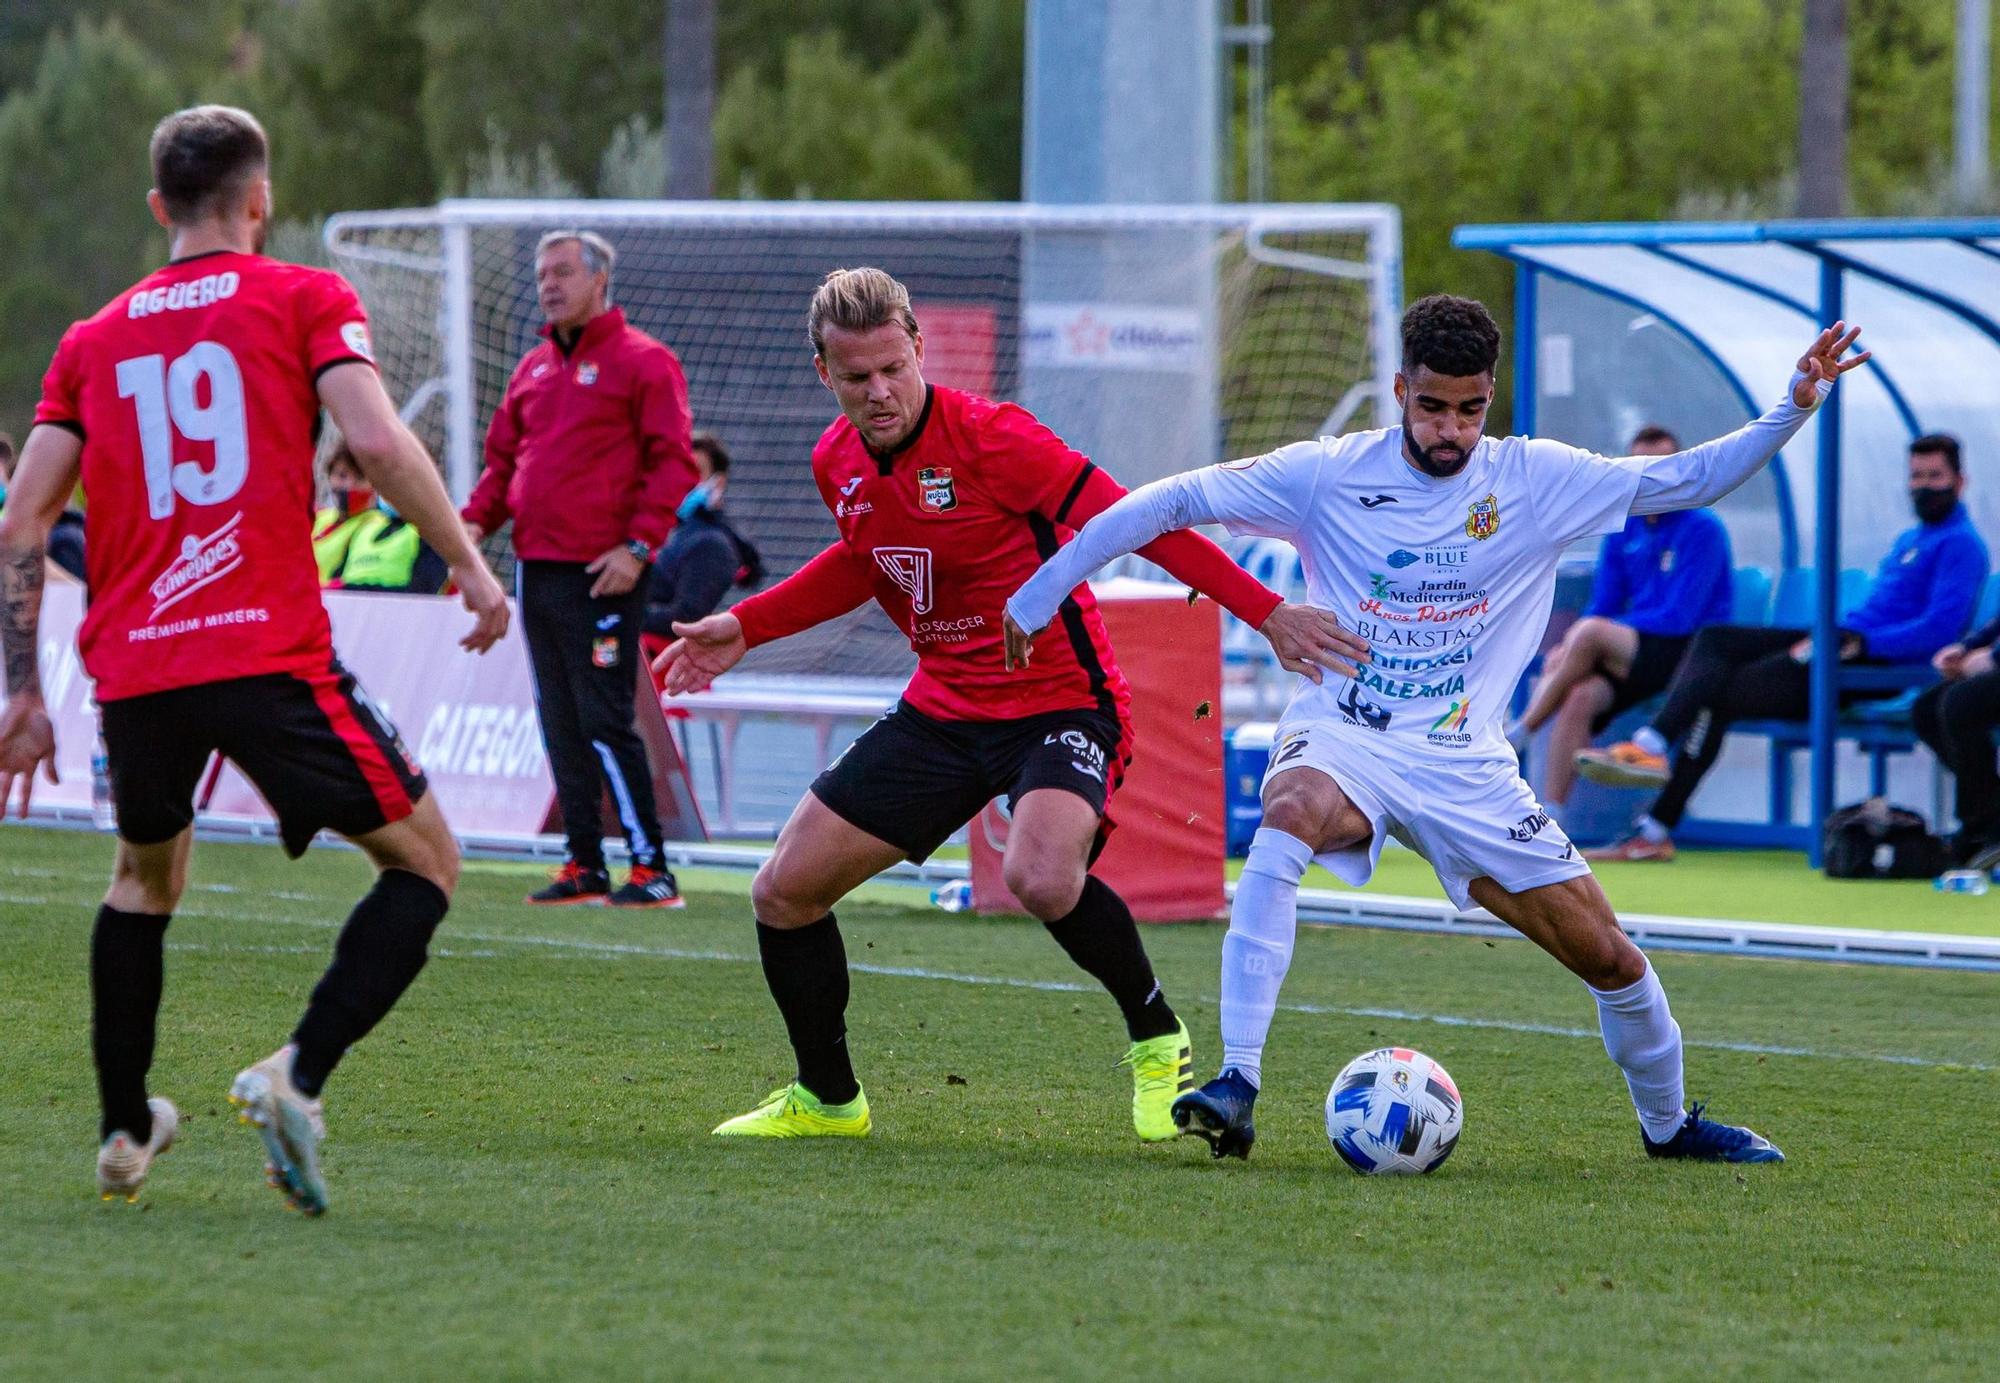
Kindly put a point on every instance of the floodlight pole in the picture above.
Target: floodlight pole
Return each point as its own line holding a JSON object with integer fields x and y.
{"x": 1823, "y": 77}
{"x": 1974, "y": 60}
{"x": 1825, "y": 666}
{"x": 689, "y": 52}
{"x": 1253, "y": 36}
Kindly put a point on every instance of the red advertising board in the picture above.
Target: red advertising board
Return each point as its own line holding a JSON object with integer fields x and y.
{"x": 1165, "y": 858}
{"x": 961, "y": 345}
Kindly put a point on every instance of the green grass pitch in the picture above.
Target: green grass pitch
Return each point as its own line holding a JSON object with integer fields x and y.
{"x": 524, "y": 1185}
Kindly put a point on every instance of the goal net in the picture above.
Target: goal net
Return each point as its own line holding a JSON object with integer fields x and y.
{"x": 1155, "y": 339}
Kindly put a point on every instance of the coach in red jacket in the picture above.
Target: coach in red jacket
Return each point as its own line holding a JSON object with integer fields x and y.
{"x": 589, "y": 453}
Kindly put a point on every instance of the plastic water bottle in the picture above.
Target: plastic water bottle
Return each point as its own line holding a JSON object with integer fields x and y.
{"x": 1961, "y": 881}
{"x": 955, "y": 896}
{"x": 103, "y": 813}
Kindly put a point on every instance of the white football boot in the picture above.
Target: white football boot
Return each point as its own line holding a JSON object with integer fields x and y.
{"x": 290, "y": 1124}
{"x": 123, "y": 1161}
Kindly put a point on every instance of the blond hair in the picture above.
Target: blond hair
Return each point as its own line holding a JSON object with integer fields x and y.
{"x": 857, "y": 300}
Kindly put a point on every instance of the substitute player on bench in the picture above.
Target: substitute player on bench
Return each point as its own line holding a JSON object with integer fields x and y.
{"x": 189, "y": 405}
{"x": 944, "y": 503}
{"x": 1441, "y": 545}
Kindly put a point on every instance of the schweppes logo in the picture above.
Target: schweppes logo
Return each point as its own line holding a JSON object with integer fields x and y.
{"x": 935, "y": 489}
{"x": 1482, "y": 520}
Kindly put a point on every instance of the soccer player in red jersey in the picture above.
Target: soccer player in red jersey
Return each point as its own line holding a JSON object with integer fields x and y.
{"x": 944, "y": 503}
{"x": 189, "y": 405}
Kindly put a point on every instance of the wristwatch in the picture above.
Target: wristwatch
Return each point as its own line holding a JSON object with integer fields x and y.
{"x": 639, "y": 550}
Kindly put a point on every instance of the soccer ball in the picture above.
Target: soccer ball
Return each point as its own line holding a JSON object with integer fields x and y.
{"x": 1393, "y": 1111}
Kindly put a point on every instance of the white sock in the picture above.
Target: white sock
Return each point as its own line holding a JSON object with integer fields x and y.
{"x": 1263, "y": 922}
{"x": 1650, "y": 740}
{"x": 1652, "y": 831}
{"x": 1642, "y": 1037}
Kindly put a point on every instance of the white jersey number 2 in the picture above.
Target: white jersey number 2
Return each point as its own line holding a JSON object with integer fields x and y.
{"x": 167, "y": 399}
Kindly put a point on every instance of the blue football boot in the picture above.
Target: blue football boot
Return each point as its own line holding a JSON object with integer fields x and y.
{"x": 1219, "y": 1113}
{"x": 1703, "y": 1140}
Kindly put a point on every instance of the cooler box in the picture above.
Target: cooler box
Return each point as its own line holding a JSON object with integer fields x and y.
{"x": 1243, "y": 763}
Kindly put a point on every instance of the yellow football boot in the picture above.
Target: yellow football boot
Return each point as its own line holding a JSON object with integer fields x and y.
{"x": 1162, "y": 1070}
{"x": 795, "y": 1112}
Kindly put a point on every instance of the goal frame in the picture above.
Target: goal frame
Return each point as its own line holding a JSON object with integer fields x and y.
{"x": 455, "y": 219}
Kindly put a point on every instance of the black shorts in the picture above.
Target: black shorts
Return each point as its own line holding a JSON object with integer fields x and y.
{"x": 322, "y": 754}
{"x": 912, "y": 779}
{"x": 1653, "y": 666}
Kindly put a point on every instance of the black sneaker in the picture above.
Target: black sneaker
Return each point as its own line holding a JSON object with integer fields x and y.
{"x": 573, "y": 884}
{"x": 648, "y": 888}
{"x": 1220, "y": 1114}
{"x": 1982, "y": 855}
{"x": 1703, "y": 1140}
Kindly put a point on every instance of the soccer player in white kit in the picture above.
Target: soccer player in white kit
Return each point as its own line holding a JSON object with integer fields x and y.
{"x": 1439, "y": 546}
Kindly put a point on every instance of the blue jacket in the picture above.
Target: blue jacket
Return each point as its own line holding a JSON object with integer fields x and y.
{"x": 1924, "y": 591}
{"x": 702, "y": 558}
{"x": 1668, "y": 574}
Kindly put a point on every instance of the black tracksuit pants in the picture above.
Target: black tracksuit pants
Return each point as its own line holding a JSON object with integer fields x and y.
{"x": 1730, "y": 672}
{"x": 1956, "y": 720}
{"x": 585, "y": 655}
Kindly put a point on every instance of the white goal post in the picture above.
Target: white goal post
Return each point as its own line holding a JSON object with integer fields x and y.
{"x": 1153, "y": 338}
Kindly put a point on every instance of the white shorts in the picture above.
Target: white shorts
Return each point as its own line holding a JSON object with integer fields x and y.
{"x": 1468, "y": 819}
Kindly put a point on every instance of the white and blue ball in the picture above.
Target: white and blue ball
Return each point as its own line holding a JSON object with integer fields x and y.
{"x": 1394, "y": 1111}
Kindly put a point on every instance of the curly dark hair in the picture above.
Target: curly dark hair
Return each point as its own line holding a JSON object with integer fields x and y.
{"x": 1450, "y": 336}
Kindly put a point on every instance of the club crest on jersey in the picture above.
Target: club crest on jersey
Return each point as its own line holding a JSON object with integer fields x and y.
{"x": 1482, "y": 520}
{"x": 586, "y": 373}
{"x": 910, "y": 569}
{"x": 936, "y": 489}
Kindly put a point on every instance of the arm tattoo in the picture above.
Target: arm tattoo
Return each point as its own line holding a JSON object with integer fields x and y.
{"x": 20, "y": 618}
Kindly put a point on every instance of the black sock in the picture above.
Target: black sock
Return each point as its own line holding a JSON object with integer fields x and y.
{"x": 380, "y": 951}
{"x": 127, "y": 968}
{"x": 1100, "y": 935}
{"x": 806, "y": 968}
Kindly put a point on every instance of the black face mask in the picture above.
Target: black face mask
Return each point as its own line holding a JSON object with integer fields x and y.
{"x": 1933, "y": 504}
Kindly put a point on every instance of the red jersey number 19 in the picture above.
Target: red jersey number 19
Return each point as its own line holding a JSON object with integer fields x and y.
{"x": 167, "y": 398}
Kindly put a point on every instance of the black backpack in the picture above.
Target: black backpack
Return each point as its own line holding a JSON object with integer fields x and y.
{"x": 1873, "y": 840}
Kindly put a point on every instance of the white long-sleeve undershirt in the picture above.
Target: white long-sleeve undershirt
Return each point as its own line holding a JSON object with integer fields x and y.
{"x": 1688, "y": 479}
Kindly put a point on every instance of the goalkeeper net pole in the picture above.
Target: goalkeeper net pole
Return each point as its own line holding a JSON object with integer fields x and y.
{"x": 1153, "y": 338}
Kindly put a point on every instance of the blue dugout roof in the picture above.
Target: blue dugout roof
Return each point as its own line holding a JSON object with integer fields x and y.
{"x": 1747, "y": 296}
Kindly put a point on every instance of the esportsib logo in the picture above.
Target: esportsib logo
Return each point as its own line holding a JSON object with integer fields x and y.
{"x": 1449, "y": 728}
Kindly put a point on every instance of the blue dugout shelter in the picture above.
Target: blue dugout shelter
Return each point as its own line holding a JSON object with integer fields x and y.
{"x": 1698, "y": 325}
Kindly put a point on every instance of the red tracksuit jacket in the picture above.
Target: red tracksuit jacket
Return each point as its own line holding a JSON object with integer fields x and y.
{"x": 588, "y": 449}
